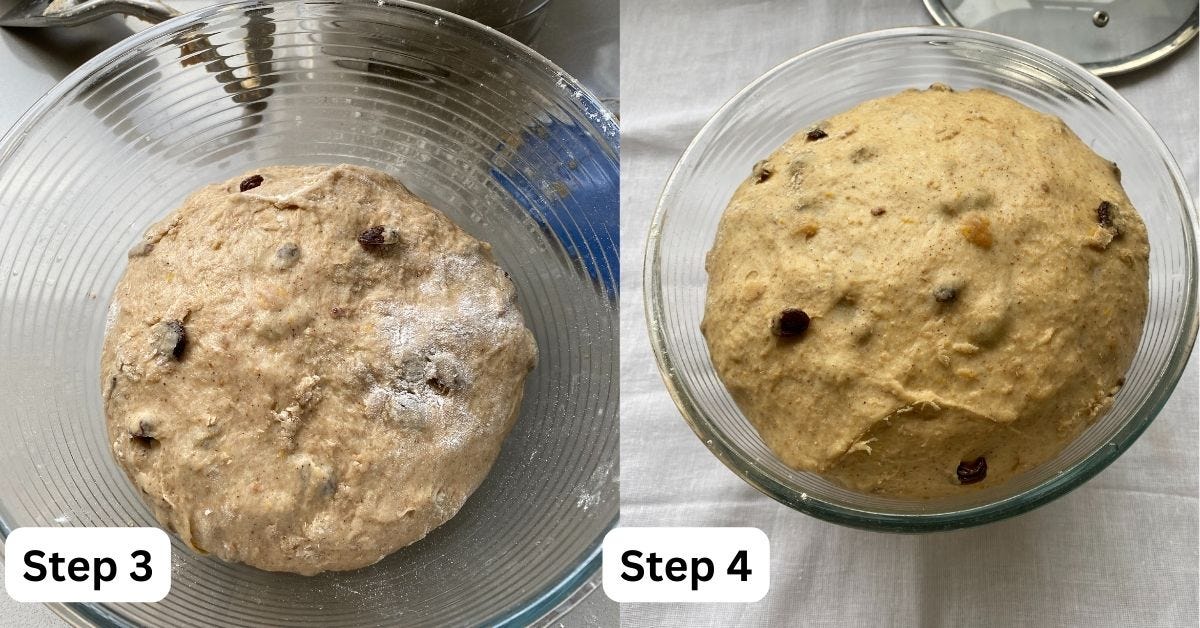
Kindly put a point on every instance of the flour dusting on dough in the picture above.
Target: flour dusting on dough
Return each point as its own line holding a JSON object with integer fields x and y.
{"x": 324, "y": 396}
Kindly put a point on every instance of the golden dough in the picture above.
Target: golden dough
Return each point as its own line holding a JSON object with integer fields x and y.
{"x": 973, "y": 279}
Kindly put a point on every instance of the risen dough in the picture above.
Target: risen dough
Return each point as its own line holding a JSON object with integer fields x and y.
{"x": 313, "y": 372}
{"x": 975, "y": 282}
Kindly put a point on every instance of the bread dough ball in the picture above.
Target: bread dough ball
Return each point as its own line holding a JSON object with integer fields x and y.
{"x": 927, "y": 294}
{"x": 307, "y": 368}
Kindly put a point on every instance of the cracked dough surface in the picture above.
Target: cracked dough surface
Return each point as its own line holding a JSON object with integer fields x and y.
{"x": 287, "y": 397}
{"x": 967, "y": 298}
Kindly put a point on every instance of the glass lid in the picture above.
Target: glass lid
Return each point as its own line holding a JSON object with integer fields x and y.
{"x": 1105, "y": 36}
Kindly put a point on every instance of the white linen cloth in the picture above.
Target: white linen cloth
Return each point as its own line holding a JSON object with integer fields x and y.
{"x": 1119, "y": 551}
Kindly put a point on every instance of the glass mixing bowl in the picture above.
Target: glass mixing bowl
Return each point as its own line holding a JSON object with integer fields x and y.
{"x": 513, "y": 150}
{"x": 831, "y": 79}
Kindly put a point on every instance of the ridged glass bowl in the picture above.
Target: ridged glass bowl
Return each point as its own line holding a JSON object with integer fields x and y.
{"x": 513, "y": 150}
{"x": 829, "y": 80}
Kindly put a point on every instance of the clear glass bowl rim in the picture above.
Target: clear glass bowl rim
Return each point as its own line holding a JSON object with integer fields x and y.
{"x": 728, "y": 453}
{"x": 538, "y": 604}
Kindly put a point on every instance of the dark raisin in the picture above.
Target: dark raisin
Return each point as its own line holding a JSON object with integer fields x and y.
{"x": 945, "y": 294}
{"x": 251, "y": 182}
{"x": 762, "y": 171}
{"x": 972, "y": 471}
{"x": 1116, "y": 170}
{"x": 790, "y": 323}
{"x": 181, "y": 342}
{"x": 379, "y": 236}
{"x": 878, "y": 211}
{"x": 371, "y": 237}
{"x": 169, "y": 338}
{"x": 143, "y": 436}
{"x": 286, "y": 256}
{"x": 816, "y": 134}
{"x": 144, "y": 429}
{"x": 1104, "y": 216}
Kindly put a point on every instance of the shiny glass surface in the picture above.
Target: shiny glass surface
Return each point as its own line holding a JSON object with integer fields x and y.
{"x": 829, "y": 80}
{"x": 1105, "y": 36}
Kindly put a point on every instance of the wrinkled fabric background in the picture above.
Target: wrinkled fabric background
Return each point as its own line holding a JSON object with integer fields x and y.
{"x": 1119, "y": 551}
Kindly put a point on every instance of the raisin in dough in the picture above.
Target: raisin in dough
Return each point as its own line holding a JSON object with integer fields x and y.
{"x": 974, "y": 280}
{"x": 311, "y": 372}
